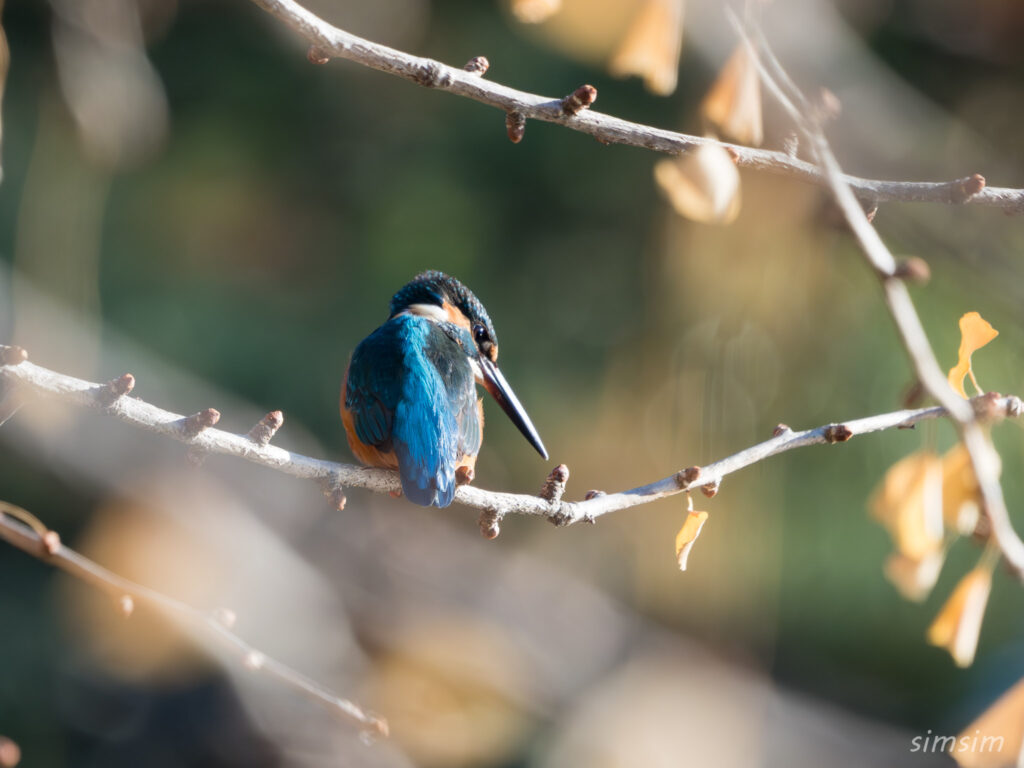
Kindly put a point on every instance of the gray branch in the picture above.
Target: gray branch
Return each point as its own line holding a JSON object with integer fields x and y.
{"x": 45, "y": 545}
{"x": 27, "y": 381}
{"x": 328, "y": 42}
{"x": 984, "y": 458}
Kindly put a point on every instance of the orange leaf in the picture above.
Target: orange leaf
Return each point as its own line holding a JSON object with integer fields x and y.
{"x": 908, "y": 502}
{"x": 702, "y": 184}
{"x": 687, "y": 535}
{"x": 997, "y": 734}
{"x": 914, "y": 579}
{"x": 733, "y": 104}
{"x": 535, "y": 11}
{"x": 975, "y": 333}
{"x": 958, "y": 624}
{"x": 651, "y": 46}
{"x": 961, "y": 495}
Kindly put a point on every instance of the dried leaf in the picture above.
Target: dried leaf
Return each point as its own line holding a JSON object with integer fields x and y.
{"x": 688, "y": 535}
{"x": 961, "y": 495}
{"x": 908, "y": 502}
{"x": 702, "y": 185}
{"x": 733, "y": 105}
{"x": 975, "y": 333}
{"x": 914, "y": 578}
{"x": 651, "y": 46}
{"x": 535, "y": 11}
{"x": 958, "y": 624}
{"x": 996, "y": 736}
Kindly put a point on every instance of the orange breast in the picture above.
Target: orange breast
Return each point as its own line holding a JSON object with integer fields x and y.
{"x": 365, "y": 454}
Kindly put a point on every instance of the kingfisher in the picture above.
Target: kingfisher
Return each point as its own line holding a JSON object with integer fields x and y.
{"x": 409, "y": 399}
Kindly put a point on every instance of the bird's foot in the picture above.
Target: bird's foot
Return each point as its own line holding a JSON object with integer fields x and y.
{"x": 395, "y": 494}
{"x": 464, "y": 475}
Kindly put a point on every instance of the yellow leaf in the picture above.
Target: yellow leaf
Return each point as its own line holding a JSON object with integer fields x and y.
{"x": 687, "y": 535}
{"x": 913, "y": 578}
{"x": 535, "y": 11}
{"x": 908, "y": 502}
{"x": 961, "y": 495}
{"x": 651, "y": 46}
{"x": 702, "y": 185}
{"x": 958, "y": 624}
{"x": 733, "y": 105}
{"x": 995, "y": 738}
{"x": 975, "y": 333}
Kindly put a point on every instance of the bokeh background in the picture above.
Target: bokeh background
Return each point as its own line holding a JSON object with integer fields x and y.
{"x": 186, "y": 197}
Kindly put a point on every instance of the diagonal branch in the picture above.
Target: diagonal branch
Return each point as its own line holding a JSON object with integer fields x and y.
{"x": 328, "y": 41}
{"x": 34, "y": 381}
{"x": 984, "y": 459}
{"x": 46, "y": 546}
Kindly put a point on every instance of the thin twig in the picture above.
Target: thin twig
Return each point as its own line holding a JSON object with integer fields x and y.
{"x": 53, "y": 552}
{"x": 330, "y": 42}
{"x": 984, "y": 458}
{"x": 44, "y": 383}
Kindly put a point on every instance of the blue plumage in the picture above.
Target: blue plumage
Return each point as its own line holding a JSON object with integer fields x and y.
{"x": 409, "y": 398}
{"x": 411, "y": 392}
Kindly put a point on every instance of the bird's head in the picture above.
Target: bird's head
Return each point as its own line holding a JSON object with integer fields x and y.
{"x": 442, "y": 299}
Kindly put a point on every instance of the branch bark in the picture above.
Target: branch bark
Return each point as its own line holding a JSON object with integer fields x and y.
{"x": 33, "y": 381}
{"x": 45, "y": 546}
{"x": 330, "y": 42}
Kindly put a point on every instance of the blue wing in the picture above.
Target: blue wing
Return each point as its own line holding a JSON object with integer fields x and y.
{"x": 406, "y": 384}
{"x": 374, "y": 386}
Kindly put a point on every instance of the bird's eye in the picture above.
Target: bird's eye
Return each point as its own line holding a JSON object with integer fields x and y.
{"x": 479, "y": 333}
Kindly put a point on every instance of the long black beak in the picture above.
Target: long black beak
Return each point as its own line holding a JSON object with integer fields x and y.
{"x": 495, "y": 383}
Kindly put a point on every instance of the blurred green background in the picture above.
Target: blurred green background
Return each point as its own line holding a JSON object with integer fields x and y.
{"x": 255, "y": 235}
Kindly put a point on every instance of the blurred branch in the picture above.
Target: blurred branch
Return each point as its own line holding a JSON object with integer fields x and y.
{"x": 33, "y": 538}
{"x": 33, "y": 381}
{"x": 328, "y": 41}
{"x": 984, "y": 458}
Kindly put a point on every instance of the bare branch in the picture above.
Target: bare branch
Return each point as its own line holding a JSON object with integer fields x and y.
{"x": 330, "y": 42}
{"x": 46, "y": 546}
{"x": 984, "y": 458}
{"x": 42, "y": 382}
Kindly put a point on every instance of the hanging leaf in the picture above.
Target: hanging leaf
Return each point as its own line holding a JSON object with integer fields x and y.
{"x": 961, "y": 494}
{"x": 958, "y": 624}
{"x": 651, "y": 46}
{"x": 908, "y": 502}
{"x": 995, "y": 738}
{"x": 688, "y": 535}
{"x": 702, "y": 185}
{"x": 535, "y": 11}
{"x": 733, "y": 105}
{"x": 975, "y": 333}
{"x": 914, "y": 578}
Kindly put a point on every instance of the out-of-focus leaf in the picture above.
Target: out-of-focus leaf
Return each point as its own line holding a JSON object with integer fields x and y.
{"x": 914, "y": 578}
{"x": 111, "y": 89}
{"x": 688, "y": 535}
{"x": 535, "y": 11}
{"x": 908, "y": 502}
{"x": 702, "y": 185}
{"x": 454, "y": 689}
{"x": 958, "y": 624}
{"x": 975, "y": 333}
{"x": 733, "y": 105}
{"x": 651, "y": 46}
{"x": 995, "y": 738}
{"x": 961, "y": 495}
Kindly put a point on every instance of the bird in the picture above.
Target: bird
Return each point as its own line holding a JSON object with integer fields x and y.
{"x": 409, "y": 399}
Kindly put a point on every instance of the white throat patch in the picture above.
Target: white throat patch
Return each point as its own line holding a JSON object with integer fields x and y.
{"x": 432, "y": 312}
